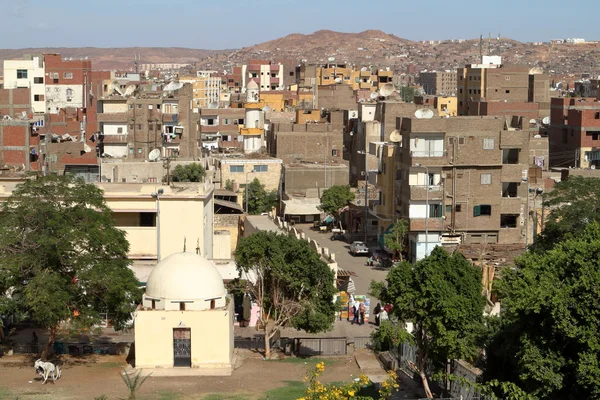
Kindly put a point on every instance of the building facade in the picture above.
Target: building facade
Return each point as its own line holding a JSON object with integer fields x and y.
{"x": 440, "y": 83}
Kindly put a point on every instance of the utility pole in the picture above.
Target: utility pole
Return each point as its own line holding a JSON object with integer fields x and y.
{"x": 167, "y": 166}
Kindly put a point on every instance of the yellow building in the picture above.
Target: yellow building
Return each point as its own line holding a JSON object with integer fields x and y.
{"x": 185, "y": 320}
{"x": 386, "y": 180}
{"x": 447, "y": 105}
{"x": 206, "y": 89}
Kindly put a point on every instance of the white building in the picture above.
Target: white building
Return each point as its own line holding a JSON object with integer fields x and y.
{"x": 27, "y": 73}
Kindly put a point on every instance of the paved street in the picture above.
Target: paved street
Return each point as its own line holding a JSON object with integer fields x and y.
{"x": 345, "y": 260}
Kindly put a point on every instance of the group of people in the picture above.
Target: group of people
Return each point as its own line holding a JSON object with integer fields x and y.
{"x": 381, "y": 314}
{"x": 358, "y": 313}
{"x": 376, "y": 260}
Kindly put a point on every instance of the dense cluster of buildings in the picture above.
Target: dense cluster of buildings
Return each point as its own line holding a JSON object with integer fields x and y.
{"x": 458, "y": 160}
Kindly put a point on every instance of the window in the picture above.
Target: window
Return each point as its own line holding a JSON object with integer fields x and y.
{"x": 334, "y": 153}
{"x": 149, "y": 106}
{"x": 261, "y": 168}
{"x": 69, "y": 93}
{"x": 458, "y": 208}
{"x": 38, "y": 97}
{"x": 510, "y": 189}
{"x": 448, "y": 209}
{"x": 460, "y": 91}
{"x": 212, "y": 304}
{"x": 507, "y": 78}
{"x": 38, "y": 80}
{"x": 597, "y": 115}
{"x": 139, "y": 106}
{"x": 236, "y": 168}
{"x": 594, "y": 135}
{"x": 435, "y": 211}
{"x": 131, "y": 106}
{"x": 486, "y": 179}
{"x": 182, "y": 306}
{"x": 460, "y": 103}
{"x": 139, "y": 126}
{"x": 140, "y": 150}
{"x": 21, "y": 74}
{"x": 508, "y": 220}
{"x": 488, "y": 144}
{"x": 120, "y": 129}
{"x": 210, "y": 121}
{"x": 68, "y": 75}
{"x": 510, "y": 156}
{"x": 153, "y": 304}
{"x": 461, "y": 140}
{"x": 507, "y": 91}
{"x": 147, "y": 219}
{"x": 150, "y": 126}
{"x": 482, "y": 210}
{"x": 131, "y": 127}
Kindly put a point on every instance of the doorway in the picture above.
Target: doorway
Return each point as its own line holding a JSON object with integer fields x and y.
{"x": 182, "y": 347}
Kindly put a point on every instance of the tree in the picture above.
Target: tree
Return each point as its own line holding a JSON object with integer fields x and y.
{"x": 442, "y": 296}
{"x": 573, "y": 203}
{"x": 229, "y": 184}
{"x": 548, "y": 341}
{"x": 188, "y": 173}
{"x": 395, "y": 238}
{"x": 407, "y": 94}
{"x": 259, "y": 199}
{"x": 335, "y": 199}
{"x": 62, "y": 258}
{"x": 290, "y": 283}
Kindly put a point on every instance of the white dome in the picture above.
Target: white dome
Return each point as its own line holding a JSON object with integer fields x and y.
{"x": 185, "y": 276}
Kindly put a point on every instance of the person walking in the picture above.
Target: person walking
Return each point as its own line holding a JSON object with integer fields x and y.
{"x": 354, "y": 314}
{"x": 377, "y": 312}
{"x": 361, "y": 310}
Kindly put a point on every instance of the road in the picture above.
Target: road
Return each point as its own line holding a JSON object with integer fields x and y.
{"x": 345, "y": 260}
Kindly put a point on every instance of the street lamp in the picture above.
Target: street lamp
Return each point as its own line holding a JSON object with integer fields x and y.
{"x": 249, "y": 172}
{"x": 366, "y": 192}
{"x": 156, "y": 195}
{"x": 426, "y": 207}
{"x": 536, "y": 192}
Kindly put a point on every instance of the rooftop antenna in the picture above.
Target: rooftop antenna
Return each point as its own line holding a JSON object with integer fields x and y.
{"x": 480, "y": 47}
{"x": 499, "y": 44}
{"x": 198, "y": 246}
{"x": 489, "y": 44}
{"x": 136, "y": 62}
{"x": 184, "y": 244}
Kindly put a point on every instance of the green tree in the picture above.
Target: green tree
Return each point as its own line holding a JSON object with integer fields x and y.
{"x": 61, "y": 257}
{"x": 407, "y": 94}
{"x": 229, "y": 184}
{"x": 290, "y": 283}
{"x": 395, "y": 238}
{"x": 194, "y": 172}
{"x": 548, "y": 341}
{"x": 335, "y": 199}
{"x": 573, "y": 203}
{"x": 442, "y": 296}
{"x": 260, "y": 200}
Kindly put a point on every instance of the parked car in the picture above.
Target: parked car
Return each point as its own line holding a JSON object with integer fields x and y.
{"x": 359, "y": 249}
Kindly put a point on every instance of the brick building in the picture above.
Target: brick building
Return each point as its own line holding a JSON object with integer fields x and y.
{"x": 19, "y": 145}
{"x": 219, "y": 128}
{"x": 575, "y": 132}
{"x": 68, "y": 83}
{"x": 464, "y": 180}
{"x": 441, "y": 83}
{"x": 154, "y": 119}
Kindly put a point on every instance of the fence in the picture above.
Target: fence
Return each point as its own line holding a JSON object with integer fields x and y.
{"x": 308, "y": 346}
{"x": 73, "y": 348}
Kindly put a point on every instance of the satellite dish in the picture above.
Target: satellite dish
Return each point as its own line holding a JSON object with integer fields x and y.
{"x": 338, "y": 80}
{"x": 154, "y": 155}
{"x": 532, "y": 121}
{"x": 374, "y": 95}
{"x": 395, "y": 136}
{"x": 331, "y": 59}
{"x": 424, "y": 113}
{"x": 363, "y": 69}
{"x": 386, "y": 89}
{"x": 536, "y": 71}
{"x": 546, "y": 121}
{"x": 267, "y": 109}
{"x": 173, "y": 85}
{"x": 130, "y": 90}
{"x": 592, "y": 166}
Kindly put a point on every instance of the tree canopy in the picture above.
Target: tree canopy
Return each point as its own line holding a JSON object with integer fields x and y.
{"x": 335, "y": 199}
{"x": 548, "y": 338}
{"x": 62, "y": 258}
{"x": 290, "y": 282}
{"x": 442, "y": 296}
{"x": 395, "y": 238}
{"x": 259, "y": 199}
{"x": 194, "y": 172}
{"x": 573, "y": 203}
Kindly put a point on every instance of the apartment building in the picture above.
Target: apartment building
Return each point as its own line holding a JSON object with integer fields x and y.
{"x": 441, "y": 83}
{"x": 28, "y": 73}
{"x": 463, "y": 180}
{"x": 219, "y": 128}
{"x": 575, "y": 132}
{"x": 68, "y": 82}
{"x": 233, "y": 82}
{"x": 206, "y": 88}
{"x": 491, "y": 88}
{"x": 268, "y": 75}
{"x": 133, "y": 126}
{"x": 365, "y": 78}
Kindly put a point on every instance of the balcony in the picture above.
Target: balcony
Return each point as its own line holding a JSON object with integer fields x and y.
{"x": 113, "y": 117}
{"x": 209, "y": 128}
{"x": 423, "y": 192}
{"x": 434, "y": 224}
{"x": 274, "y": 81}
{"x": 170, "y": 117}
{"x": 142, "y": 241}
{"x": 114, "y": 139}
{"x": 429, "y": 158}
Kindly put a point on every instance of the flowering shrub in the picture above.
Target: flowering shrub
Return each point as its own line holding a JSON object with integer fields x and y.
{"x": 317, "y": 390}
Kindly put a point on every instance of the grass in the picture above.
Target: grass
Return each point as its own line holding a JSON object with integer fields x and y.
{"x": 310, "y": 361}
{"x": 168, "y": 396}
{"x": 216, "y": 396}
{"x": 292, "y": 390}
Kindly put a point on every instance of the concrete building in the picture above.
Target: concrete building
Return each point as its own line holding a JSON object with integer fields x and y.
{"x": 439, "y": 83}
{"x": 220, "y": 128}
{"x": 28, "y": 73}
{"x": 444, "y": 105}
{"x": 19, "y": 145}
{"x": 133, "y": 126}
{"x": 483, "y": 87}
{"x": 68, "y": 83}
{"x": 235, "y": 168}
{"x": 267, "y": 74}
{"x": 575, "y": 132}
{"x": 206, "y": 87}
{"x": 185, "y": 319}
{"x": 463, "y": 180}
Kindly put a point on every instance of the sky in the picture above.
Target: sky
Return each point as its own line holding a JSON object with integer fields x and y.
{"x": 218, "y": 24}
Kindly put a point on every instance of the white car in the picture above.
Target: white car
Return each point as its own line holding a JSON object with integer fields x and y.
{"x": 359, "y": 248}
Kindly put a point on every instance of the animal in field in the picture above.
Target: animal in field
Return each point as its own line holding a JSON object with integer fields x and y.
{"x": 47, "y": 370}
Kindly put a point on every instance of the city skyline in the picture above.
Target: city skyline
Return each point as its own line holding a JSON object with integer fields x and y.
{"x": 186, "y": 23}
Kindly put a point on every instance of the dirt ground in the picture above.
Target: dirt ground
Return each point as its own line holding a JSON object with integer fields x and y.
{"x": 91, "y": 376}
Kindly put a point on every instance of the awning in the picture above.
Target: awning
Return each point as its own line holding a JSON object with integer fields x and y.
{"x": 228, "y": 204}
{"x": 302, "y": 206}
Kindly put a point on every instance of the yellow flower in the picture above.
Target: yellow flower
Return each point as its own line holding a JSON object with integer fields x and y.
{"x": 350, "y": 393}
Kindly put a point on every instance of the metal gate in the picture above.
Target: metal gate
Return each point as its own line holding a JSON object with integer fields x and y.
{"x": 182, "y": 347}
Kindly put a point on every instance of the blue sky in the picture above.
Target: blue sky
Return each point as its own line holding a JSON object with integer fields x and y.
{"x": 237, "y": 23}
